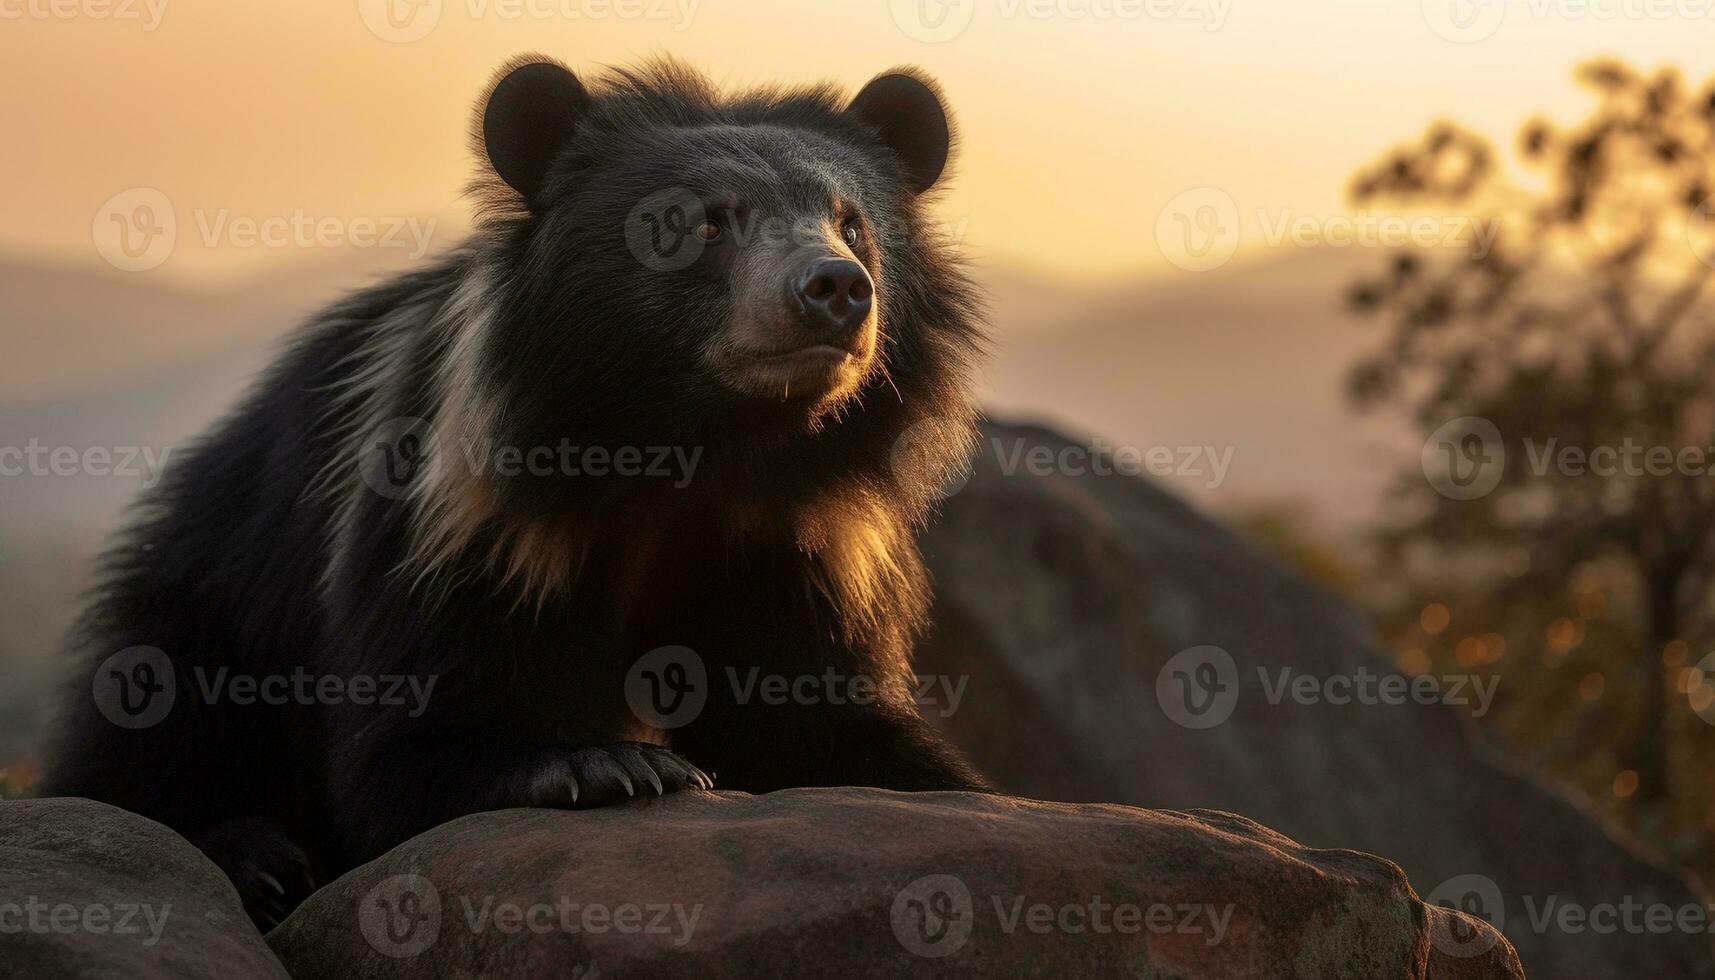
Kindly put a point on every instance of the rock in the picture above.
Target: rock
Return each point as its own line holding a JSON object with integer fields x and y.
{"x": 93, "y": 892}
{"x": 869, "y": 883}
{"x": 1080, "y": 607}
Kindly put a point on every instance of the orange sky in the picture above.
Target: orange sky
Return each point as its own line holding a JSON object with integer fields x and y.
{"x": 1082, "y": 118}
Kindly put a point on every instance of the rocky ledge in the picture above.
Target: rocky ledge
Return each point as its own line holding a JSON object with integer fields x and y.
{"x": 866, "y": 883}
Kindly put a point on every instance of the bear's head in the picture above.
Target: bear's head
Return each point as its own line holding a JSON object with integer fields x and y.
{"x": 746, "y": 274}
{"x": 751, "y": 278}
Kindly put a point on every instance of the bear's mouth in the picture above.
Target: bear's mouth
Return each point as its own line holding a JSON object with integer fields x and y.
{"x": 813, "y": 371}
{"x": 816, "y": 357}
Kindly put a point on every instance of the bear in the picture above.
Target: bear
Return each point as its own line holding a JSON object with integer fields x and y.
{"x": 671, "y": 415}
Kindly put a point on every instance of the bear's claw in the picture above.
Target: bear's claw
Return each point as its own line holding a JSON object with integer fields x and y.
{"x": 607, "y": 774}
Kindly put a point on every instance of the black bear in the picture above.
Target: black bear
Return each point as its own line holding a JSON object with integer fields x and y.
{"x": 688, "y": 388}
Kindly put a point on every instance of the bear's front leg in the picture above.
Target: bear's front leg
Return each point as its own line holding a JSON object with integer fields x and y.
{"x": 759, "y": 748}
{"x": 891, "y": 747}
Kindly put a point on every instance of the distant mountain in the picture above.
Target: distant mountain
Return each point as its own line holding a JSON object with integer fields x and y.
{"x": 1249, "y": 359}
{"x": 74, "y": 331}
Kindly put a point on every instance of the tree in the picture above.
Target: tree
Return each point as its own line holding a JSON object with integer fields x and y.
{"x": 1565, "y": 373}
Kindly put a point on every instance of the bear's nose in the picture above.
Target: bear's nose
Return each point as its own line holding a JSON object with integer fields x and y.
{"x": 835, "y": 294}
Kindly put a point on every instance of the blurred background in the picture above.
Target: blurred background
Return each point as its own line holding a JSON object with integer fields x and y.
{"x": 1387, "y": 280}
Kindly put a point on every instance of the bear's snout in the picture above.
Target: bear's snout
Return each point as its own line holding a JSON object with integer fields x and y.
{"x": 833, "y": 296}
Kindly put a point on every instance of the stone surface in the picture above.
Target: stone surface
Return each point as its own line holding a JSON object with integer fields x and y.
{"x": 91, "y": 892}
{"x": 868, "y": 883}
{"x": 1064, "y": 600}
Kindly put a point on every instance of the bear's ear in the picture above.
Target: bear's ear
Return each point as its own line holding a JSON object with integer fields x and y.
{"x": 906, "y": 112}
{"x": 528, "y": 117}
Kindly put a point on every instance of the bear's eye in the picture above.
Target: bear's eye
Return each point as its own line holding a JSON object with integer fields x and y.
{"x": 849, "y": 232}
{"x": 708, "y": 231}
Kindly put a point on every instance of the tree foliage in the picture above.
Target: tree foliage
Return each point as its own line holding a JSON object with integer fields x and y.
{"x": 1584, "y": 337}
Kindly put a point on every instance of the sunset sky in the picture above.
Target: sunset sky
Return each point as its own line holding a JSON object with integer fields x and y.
{"x": 1082, "y": 119}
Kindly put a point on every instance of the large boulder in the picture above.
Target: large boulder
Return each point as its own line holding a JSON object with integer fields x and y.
{"x": 1120, "y": 647}
{"x": 868, "y": 883}
{"x": 93, "y": 892}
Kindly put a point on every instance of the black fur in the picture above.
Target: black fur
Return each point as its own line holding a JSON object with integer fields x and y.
{"x": 527, "y": 599}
